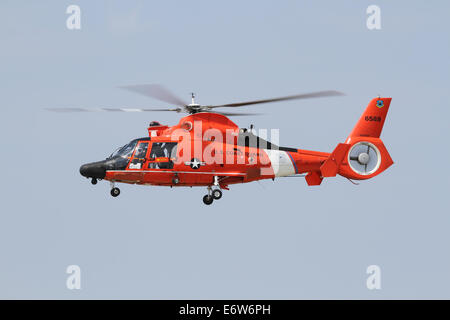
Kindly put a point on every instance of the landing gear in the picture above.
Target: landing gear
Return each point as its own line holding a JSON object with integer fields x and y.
{"x": 94, "y": 181}
{"x": 207, "y": 199}
{"x": 115, "y": 192}
{"x": 212, "y": 195}
{"x": 217, "y": 194}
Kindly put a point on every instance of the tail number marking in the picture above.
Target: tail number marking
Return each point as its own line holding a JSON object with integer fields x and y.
{"x": 372, "y": 118}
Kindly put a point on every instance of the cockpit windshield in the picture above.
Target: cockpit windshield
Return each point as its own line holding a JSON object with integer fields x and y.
{"x": 125, "y": 151}
{"x": 120, "y": 158}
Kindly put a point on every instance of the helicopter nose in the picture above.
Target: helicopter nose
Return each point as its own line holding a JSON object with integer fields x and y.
{"x": 94, "y": 170}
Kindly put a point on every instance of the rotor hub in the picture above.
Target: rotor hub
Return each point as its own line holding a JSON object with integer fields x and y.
{"x": 363, "y": 158}
{"x": 194, "y": 108}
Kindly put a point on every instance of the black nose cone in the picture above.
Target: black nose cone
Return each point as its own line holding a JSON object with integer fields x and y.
{"x": 94, "y": 170}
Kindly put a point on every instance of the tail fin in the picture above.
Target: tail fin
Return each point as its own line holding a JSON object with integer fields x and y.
{"x": 372, "y": 120}
{"x": 363, "y": 155}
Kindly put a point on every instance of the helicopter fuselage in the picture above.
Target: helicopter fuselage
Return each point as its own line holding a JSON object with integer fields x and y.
{"x": 214, "y": 151}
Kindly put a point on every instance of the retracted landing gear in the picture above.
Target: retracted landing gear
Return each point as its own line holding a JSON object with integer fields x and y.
{"x": 114, "y": 190}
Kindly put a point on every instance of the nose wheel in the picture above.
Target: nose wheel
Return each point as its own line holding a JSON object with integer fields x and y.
{"x": 115, "y": 192}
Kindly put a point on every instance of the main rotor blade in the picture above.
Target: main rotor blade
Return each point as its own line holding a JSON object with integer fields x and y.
{"x": 156, "y": 91}
{"x": 318, "y": 94}
{"x": 110, "y": 109}
{"x": 233, "y": 114}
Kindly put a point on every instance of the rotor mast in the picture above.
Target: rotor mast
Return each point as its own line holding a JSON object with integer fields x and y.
{"x": 193, "y": 107}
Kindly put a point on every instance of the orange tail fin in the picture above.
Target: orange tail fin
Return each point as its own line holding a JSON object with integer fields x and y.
{"x": 363, "y": 155}
{"x": 367, "y": 156}
{"x": 372, "y": 120}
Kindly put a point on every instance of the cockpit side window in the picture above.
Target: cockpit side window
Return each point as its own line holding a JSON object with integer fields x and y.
{"x": 141, "y": 150}
{"x": 139, "y": 156}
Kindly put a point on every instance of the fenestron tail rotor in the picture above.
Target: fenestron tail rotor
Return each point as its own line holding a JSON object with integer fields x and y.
{"x": 364, "y": 158}
{"x": 159, "y": 92}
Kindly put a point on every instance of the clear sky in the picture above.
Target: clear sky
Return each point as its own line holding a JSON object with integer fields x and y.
{"x": 268, "y": 240}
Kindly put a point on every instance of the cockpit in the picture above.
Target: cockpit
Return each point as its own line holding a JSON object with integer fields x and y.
{"x": 137, "y": 154}
{"x": 122, "y": 155}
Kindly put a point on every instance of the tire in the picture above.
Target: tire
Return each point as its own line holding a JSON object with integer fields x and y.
{"x": 94, "y": 181}
{"x": 217, "y": 194}
{"x": 207, "y": 199}
{"x": 115, "y": 192}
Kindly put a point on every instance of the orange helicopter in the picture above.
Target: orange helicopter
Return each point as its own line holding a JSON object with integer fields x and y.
{"x": 207, "y": 149}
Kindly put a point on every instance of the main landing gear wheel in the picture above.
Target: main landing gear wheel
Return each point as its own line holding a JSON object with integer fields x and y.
{"x": 94, "y": 181}
{"x": 217, "y": 194}
{"x": 207, "y": 199}
{"x": 115, "y": 192}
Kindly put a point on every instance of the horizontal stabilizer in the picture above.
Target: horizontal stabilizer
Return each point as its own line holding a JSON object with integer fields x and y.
{"x": 331, "y": 166}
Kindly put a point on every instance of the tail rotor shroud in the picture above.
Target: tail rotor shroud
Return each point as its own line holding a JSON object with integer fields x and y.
{"x": 364, "y": 158}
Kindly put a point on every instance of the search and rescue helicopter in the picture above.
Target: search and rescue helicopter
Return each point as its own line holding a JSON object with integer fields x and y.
{"x": 207, "y": 149}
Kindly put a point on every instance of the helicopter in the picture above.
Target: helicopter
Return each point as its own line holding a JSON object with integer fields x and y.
{"x": 207, "y": 149}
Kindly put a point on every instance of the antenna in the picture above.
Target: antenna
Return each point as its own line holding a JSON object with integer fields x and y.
{"x": 193, "y": 97}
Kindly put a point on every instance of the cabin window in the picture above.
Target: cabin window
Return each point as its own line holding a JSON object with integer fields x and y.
{"x": 162, "y": 155}
{"x": 164, "y": 150}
